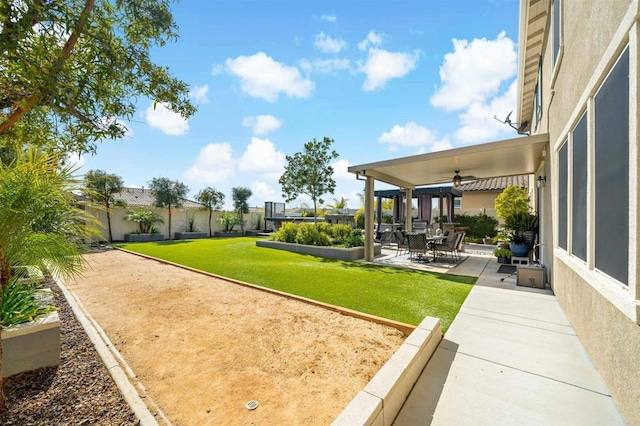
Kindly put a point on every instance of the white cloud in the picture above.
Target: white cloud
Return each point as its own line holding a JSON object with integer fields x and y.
{"x": 162, "y": 118}
{"x": 76, "y": 161}
{"x": 213, "y": 164}
{"x": 217, "y": 69}
{"x": 328, "y": 44}
{"x": 340, "y": 171}
{"x": 373, "y": 39}
{"x": 261, "y": 191}
{"x": 262, "y": 124}
{"x": 474, "y": 71}
{"x": 329, "y": 18}
{"x": 382, "y": 66}
{"x": 261, "y": 157}
{"x": 262, "y": 77}
{"x": 478, "y": 124}
{"x": 199, "y": 94}
{"x": 409, "y": 135}
{"x": 325, "y": 66}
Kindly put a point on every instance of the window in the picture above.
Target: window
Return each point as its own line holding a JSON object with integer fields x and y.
{"x": 556, "y": 30}
{"x": 562, "y": 195}
{"x": 579, "y": 192}
{"x": 457, "y": 203}
{"x": 611, "y": 112}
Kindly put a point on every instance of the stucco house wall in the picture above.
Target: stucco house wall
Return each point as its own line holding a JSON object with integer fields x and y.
{"x": 604, "y": 313}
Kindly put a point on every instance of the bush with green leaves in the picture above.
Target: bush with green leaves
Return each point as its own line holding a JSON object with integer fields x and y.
{"x": 355, "y": 239}
{"x": 309, "y": 234}
{"x": 22, "y": 302}
{"x": 325, "y": 228}
{"x": 480, "y": 226}
{"x": 229, "y": 220}
{"x": 146, "y": 219}
{"x": 287, "y": 233}
{"x": 340, "y": 233}
{"x": 359, "y": 218}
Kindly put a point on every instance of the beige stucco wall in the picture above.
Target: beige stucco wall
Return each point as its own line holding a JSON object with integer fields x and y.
{"x": 121, "y": 226}
{"x": 592, "y": 39}
{"x": 479, "y": 200}
{"x": 611, "y": 338}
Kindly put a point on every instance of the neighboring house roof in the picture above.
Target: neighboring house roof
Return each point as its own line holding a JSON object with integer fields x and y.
{"x": 495, "y": 184}
{"x": 141, "y": 197}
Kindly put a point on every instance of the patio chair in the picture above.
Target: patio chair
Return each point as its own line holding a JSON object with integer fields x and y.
{"x": 385, "y": 239}
{"x": 450, "y": 247}
{"x": 417, "y": 245}
{"x": 459, "y": 245}
{"x": 401, "y": 241}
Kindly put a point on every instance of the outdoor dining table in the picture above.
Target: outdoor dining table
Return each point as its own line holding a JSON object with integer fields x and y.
{"x": 432, "y": 241}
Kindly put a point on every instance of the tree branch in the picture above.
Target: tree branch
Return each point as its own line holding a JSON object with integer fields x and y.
{"x": 20, "y": 110}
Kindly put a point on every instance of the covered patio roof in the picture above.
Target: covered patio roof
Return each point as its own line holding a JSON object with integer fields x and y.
{"x": 509, "y": 157}
{"x": 437, "y": 191}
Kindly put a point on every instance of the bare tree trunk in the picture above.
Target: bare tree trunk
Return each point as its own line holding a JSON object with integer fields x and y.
{"x": 109, "y": 224}
{"x": 210, "y": 213}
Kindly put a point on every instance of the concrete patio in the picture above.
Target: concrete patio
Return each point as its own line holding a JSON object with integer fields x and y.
{"x": 510, "y": 357}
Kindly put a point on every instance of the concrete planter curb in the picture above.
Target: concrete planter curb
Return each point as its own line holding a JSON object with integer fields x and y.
{"x": 381, "y": 400}
{"x": 190, "y": 235}
{"x": 340, "y": 253}
{"x": 31, "y": 345}
{"x": 143, "y": 238}
{"x": 230, "y": 234}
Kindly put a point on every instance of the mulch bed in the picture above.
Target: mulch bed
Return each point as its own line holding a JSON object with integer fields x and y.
{"x": 80, "y": 391}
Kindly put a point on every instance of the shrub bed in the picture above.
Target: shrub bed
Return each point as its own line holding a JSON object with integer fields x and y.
{"x": 320, "y": 234}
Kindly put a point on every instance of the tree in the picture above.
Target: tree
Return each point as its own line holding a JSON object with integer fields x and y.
{"x": 101, "y": 187}
{"x": 340, "y": 204}
{"x": 211, "y": 200}
{"x": 168, "y": 193}
{"x": 71, "y": 69}
{"x": 512, "y": 201}
{"x": 309, "y": 172}
{"x": 40, "y": 222}
{"x": 240, "y": 197}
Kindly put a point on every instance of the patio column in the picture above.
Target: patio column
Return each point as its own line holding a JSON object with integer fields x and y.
{"x": 408, "y": 215}
{"x": 368, "y": 219}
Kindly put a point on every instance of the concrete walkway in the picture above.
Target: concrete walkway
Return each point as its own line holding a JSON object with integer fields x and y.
{"x": 510, "y": 357}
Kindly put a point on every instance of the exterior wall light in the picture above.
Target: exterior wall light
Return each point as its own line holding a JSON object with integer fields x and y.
{"x": 541, "y": 181}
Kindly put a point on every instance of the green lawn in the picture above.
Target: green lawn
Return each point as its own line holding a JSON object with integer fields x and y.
{"x": 398, "y": 294}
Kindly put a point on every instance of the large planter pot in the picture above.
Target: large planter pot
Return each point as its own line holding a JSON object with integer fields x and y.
{"x": 31, "y": 345}
{"x": 520, "y": 250}
{"x": 341, "y": 253}
{"x": 143, "y": 238}
{"x": 190, "y": 235}
{"x": 227, "y": 234}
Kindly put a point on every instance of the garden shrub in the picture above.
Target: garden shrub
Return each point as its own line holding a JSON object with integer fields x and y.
{"x": 359, "y": 218}
{"x": 480, "y": 226}
{"x": 340, "y": 233}
{"x": 355, "y": 239}
{"x": 287, "y": 233}
{"x": 324, "y": 228}
{"x": 309, "y": 234}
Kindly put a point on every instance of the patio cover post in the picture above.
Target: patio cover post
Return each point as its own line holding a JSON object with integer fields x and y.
{"x": 408, "y": 215}
{"x": 379, "y": 212}
{"x": 368, "y": 219}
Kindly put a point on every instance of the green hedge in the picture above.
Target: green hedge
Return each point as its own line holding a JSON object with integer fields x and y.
{"x": 320, "y": 234}
{"x": 480, "y": 226}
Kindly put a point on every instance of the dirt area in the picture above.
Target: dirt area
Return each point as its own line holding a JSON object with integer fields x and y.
{"x": 203, "y": 347}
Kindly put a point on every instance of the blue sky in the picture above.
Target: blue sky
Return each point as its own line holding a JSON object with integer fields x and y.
{"x": 384, "y": 79}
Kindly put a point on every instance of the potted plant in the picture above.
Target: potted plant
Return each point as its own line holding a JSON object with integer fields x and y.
{"x": 518, "y": 246}
{"x": 487, "y": 240}
{"x": 503, "y": 255}
{"x": 229, "y": 220}
{"x": 190, "y": 228}
{"x": 524, "y": 224}
{"x": 146, "y": 219}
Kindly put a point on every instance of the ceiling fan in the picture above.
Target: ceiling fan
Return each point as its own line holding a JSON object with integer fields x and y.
{"x": 457, "y": 179}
